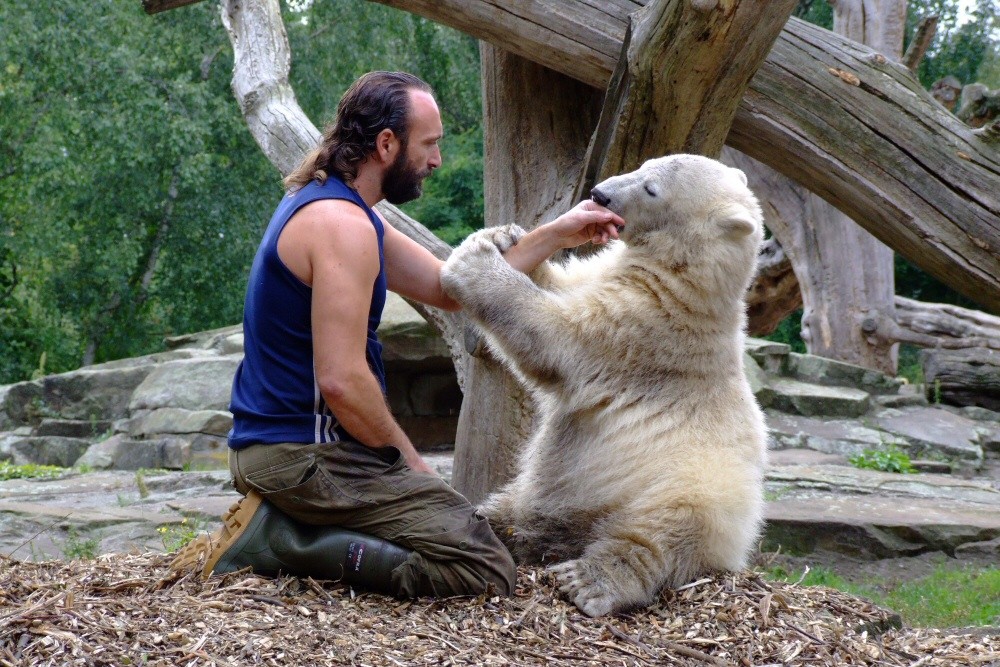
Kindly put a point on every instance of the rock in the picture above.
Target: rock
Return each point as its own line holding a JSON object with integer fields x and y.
{"x": 900, "y": 400}
{"x": 811, "y": 399}
{"x": 938, "y": 467}
{"x": 828, "y": 372}
{"x": 757, "y": 378}
{"x": 50, "y": 450}
{"x": 930, "y": 429}
{"x": 980, "y": 414}
{"x": 805, "y": 481}
{"x": 80, "y": 395}
{"x": 123, "y": 453}
{"x": 179, "y": 420}
{"x": 202, "y": 340}
{"x": 989, "y": 548}
{"x": 192, "y": 384}
{"x": 73, "y": 428}
{"x": 772, "y": 357}
{"x": 406, "y": 336}
{"x": 835, "y": 436}
{"x": 876, "y": 526}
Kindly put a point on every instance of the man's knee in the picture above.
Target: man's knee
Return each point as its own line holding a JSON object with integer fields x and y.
{"x": 464, "y": 559}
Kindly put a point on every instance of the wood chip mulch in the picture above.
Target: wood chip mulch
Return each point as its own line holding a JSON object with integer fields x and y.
{"x": 129, "y": 610}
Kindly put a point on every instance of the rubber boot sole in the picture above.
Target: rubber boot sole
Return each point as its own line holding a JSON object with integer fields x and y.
{"x": 205, "y": 550}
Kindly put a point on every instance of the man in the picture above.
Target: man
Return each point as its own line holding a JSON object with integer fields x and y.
{"x": 333, "y": 487}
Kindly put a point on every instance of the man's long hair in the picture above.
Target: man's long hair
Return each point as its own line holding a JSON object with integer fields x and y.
{"x": 376, "y": 101}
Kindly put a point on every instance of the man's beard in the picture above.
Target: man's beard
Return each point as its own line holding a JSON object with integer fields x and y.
{"x": 403, "y": 183}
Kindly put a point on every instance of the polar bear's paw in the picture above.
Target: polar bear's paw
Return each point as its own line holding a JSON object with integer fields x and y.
{"x": 472, "y": 268}
{"x": 582, "y": 583}
{"x": 504, "y": 237}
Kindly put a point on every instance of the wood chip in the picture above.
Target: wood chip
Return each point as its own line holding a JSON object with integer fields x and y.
{"x": 94, "y": 612}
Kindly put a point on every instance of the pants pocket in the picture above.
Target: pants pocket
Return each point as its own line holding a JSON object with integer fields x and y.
{"x": 304, "y": 491}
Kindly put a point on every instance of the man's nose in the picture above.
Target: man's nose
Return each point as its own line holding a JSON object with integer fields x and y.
{"x": 435, "y": 161}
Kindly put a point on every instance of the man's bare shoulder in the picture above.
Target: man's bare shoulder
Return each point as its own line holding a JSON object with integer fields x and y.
{"x": 331, "y": 216}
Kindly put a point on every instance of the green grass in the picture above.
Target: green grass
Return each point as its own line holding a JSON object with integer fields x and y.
{"x": 948, "y": 597}
{"x": 29, "y": 470}
{"x": 77, "y": 547}
{"x": 886, "y": 459}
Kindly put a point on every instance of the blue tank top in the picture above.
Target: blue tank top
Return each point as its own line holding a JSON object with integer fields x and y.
{"x": 276, "y": 397}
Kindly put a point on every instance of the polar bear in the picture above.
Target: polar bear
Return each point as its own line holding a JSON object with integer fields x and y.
{"x": 645, "y": 467}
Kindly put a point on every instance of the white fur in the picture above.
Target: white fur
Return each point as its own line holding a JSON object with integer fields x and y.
{"x": 646, "y": 465}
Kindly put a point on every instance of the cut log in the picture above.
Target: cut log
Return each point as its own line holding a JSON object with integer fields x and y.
{"x": 866, "y": 137}
{"x": 963, "y": 377}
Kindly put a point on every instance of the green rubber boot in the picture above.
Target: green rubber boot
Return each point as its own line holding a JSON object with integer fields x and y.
{"x": 258, "y": 535}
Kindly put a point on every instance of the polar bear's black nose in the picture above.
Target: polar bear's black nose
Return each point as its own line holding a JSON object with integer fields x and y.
{"x": 599, "y": 197}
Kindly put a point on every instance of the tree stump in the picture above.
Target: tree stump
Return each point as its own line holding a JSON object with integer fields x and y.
{"x": 969, "y": 376}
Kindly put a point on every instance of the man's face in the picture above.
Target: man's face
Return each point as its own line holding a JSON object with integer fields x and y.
{"x": 419, "y": 155}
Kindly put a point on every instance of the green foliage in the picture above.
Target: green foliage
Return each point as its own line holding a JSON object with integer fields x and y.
{"x": 176, "y": 536}
{"x": 77, "y": 547}
{"x": 789, "y": 331}
{"x": 29, "y": 471}
{"x": 132, "y": 206}
{"x": 888, "y": 458}
{"x": 817, "y": 12}
{"x": 909, "y": 365}
{"x": 961, "y": 49}
{"x": 948, "y": 597}
{"x": 132, "y": 196}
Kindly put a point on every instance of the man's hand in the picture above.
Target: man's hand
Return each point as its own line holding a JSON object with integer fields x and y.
{"x": 416, "y": 463}
{"x": 587, "y": 221}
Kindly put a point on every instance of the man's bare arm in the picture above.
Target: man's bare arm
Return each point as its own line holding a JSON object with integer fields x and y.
{"x": 343, "y": 257}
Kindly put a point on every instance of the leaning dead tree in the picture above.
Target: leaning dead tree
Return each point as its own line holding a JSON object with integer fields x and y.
{"x": 834, "y": 115}
{"x": 932, "y": 197}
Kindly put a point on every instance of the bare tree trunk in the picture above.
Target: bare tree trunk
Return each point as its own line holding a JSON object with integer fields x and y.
{"x": 536, "y": 124}
{"x": 846, "y": 275}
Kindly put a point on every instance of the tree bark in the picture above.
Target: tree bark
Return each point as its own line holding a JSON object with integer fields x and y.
{"x": 775, "y": 292}
{"x": 845, "y": 274}
{"x": 536, "y": 125}
{"x": 963, "y": 377}
{"x": 684, "y": 84}
{"x": 866, "y": 137}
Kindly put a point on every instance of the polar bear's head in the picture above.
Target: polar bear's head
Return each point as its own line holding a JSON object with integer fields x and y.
{"x": 687, "y": 198}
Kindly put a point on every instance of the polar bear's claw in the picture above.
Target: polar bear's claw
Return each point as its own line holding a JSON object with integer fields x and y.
{"x": 591, "y": 595}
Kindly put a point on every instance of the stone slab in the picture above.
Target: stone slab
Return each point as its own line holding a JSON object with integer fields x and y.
{"x": 934, "y": 429}
{"x": 844, "y": 437}
{"x": 812, "y": 399}
{"x": 876, "y": 526}
{"x": 806, "y": 480}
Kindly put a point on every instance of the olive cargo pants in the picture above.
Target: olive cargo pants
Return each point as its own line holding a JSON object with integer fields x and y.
{"x": 373, "y": 491}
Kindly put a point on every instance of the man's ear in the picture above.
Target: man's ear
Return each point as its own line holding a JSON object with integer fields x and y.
{"x": 735, "y": 220}
{"x": 386, "y": 145}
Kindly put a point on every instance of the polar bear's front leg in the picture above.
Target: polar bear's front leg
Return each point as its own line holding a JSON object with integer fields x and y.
{"x": 522, "y": 318}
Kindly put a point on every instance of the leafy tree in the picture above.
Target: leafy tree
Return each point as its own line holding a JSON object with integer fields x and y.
{"x": 130, "y": 190}
{"x": 132, "y": 196}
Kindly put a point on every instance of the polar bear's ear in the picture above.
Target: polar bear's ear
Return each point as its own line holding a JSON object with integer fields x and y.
{"x": 735, "y": 220}
{"x": 743, "y": 177}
